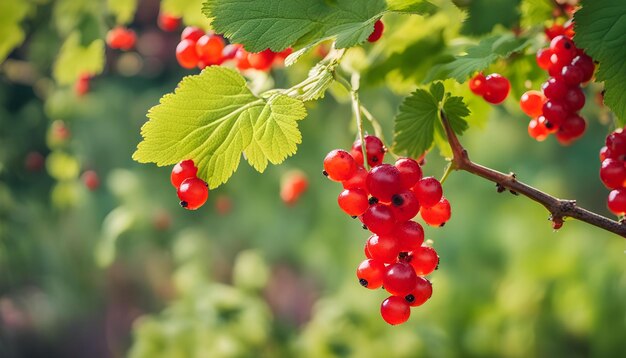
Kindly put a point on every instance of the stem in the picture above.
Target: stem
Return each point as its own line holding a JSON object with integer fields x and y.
{"x": 558, "y": 208}
{"x": 378, "y": 130}
{"x": 356, "y": 108}
{"x": 449, "y": 170}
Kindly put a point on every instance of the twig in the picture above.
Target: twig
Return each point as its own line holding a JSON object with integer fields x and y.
{"x": 558, "y": 208}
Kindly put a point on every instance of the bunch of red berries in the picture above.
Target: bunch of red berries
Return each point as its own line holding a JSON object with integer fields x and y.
{"x": 121, "y": 38}
{"x": 199, "y": 49}
{"x": 386, "y": 199}
{"x": 555, "y": 111}
{"x": 613, "y": 170}
{"x": 494, "y": 88}
{"x": 192, "y": 191}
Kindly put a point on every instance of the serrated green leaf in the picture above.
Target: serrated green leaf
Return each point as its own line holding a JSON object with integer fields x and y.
{"x": 419, "y": 7}
{"x": 535, "y": 12}
{"x": 601, "y": 30}
{"x": 124, "y": 10}
{"x": 478, "y": 57}
{"x": 437, "y": 90}
{"x": 75, "y": 60}
{"x": 12, "y": 12}
{"x": 213, "y": 118}
{"x": 189, "y": 10}
{"x": 278, "y": 24}
{"x": 320, "y": 78}
{"x": 456, "y": 110}
{"x": 485, "y": 14}
{"x": 415, "y": 124}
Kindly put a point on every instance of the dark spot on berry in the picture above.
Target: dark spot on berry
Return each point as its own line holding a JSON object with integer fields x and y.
{"x": 409, "y": 298}
{"x": 363, "y": 282}
{"x": 353, "y": 216}
{"x": 184, "y": 204}
{"x": 397, "y": 200}
{"x": 374, "y": 159}
{"x": 548, "y": 124}
{"x": 442, "y": 225}
{"x": 402, "y": 256}
{"x": 325, "y": 173}
{"x": 373, "y": 200}
{"x": 364, "y": 227}
{"x": 567, "y": 45}
{"x": 206, "y": 184}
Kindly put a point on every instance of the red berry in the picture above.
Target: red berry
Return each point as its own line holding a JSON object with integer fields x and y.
{"x": 586, "y": 65}
{"x": 370, "y": 273}
{"x": 91, "y": 180}
{"x": 571, "y": 129}
{"x": 374, "y": 148}
{"x": 550, "y": 128}
{"x": 378, "y": 31}
{"x": 410, "y": 235}
{"x": 410, "y": 172}
{"x": 383, "y": 182}
{"x": 605, "y": 153}
{"x": 399, "y": 279}
{"x": 193, "y": 193}
{"x": 261, "y": 61}
{"x": 34, "y": 162}
{"x": 81, "y": 87}
{"x": 554, "y": 31}
{"x": 378, "y": 218}
{"x": 181, "y": 171}
{"x": 168, "y": 22}
{"x": 616, "y": 143}
{"x": 191, "y": 33}
{"x": 353, "y": 202}
{"x": 477, "y": 84}
{"x": 537, "y": 130}
{"x": 186, "y": 54}
{"x": 209, "y": 49}
{"x": 496, "y": 88}
{"x": 554, "y": 88}
{"x": 121, "y": 38}
{"x": 532, "y": 103}
{"x": 424, "y": 260}
{"x": 292, "y": 186}
{"x": 339, "y": 165}
{"x": 229, "y": 51}
{"x": 543, "y": 58}
{"x": 572, "y": 75}
{"x": 404, "y": 205}
{"x": 563, "y": 47}
{"x": 241, "y": 58}
{"x": 438, "y": 214}
{"x": 574, "y": 99}
{"x": 555, "y": 111}
{"x": 613, "y": 173}
{"x": 383, "y": 248}
{"x": 421, "y": 293}
{"x": 366, "y": 251}
{"x": 395, "y": 310}
{"x": 616, "y": 202}
{"x": 356, "y": 181}
{"x": 428, "y": 191}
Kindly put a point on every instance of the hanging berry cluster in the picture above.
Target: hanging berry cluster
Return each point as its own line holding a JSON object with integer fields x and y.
{"x": 192, "y": 191}
{"x": 613, "y": 170}
{"x": 555, "y": 109}
{"x": 200, "y": 49}
{"x": 385, "y": 200}
{"x": 494, "y": 88}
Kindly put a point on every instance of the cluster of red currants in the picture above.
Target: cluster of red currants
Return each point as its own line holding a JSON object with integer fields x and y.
{"x": 555, "y": 109}
{"x": 199, "y": 49}
{"x": 494, "y": 88}
{"x": 121, "y": 38}
{"x": 613, "y": 170}
{"x": 386, "y": 199}
{"x": 192, "y": 191}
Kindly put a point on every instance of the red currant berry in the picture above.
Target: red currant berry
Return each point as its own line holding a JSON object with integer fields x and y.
{"x": 616, "y": 143}
{"x": 353, "y": 202}
{"x": 543, "y": 58}
{"x": 616, "y": 203}
{"x": 374, "y": 148}
{"x": 366, "y": 251}
{"x": 586, "y": 65}
{"x": 537, "y": 130}
{"x": 422, "y": 292}
{"x": 496, "y": 88}
{"x": 550, "y": 128}
{"x": 428, "y": 191}
{"x": 230, "y": 51}
{"x": 378, "y": 218}
{"x": 209, "y": 49}
{"x": 370, "y": 273}
{"x": 292, "y": 186}
{"x": 378, "y": 31}
{"x": 574, "y": 99}
{"x": 357, "y": 181}
{"x": 91, "y": 180}
{"x": 477, "y": 84}
{"x": 186, "y": 54}
{"x": 410, "y": 235}
{"x": 339, "y": 165}
{"x": 121, "y": 38}
{"x": 605, "y": 153}
{"x": 438, "y": 214}
{"x": 399, "y": 279}
{"x": 241, "y": 58}
{"x": 404, "y": 205}
{"x": 613, "y": 173}
{"x": 572, "y": 75}
{"x": 383, "y": 182}
{"x": 571, "y": 129}
{"x": 554, "y": 31}
{"x": 410, "y": 172}
{"x": 532, "y": 103}
{"x": 383, "y": 248}
{"x": 554, "y": 88}
{"x": 191, "y": 33}
{"x": 262, "y": 61}
{"x": 193, "y": 193}
{"x": 555, "y": 111}
{"x": 181, "y": 171}
{"x": 395, "y": 310}
{"x": 424, "y": 260}
{"x": 563, "y": 47}
{"x": 168, "y": 22}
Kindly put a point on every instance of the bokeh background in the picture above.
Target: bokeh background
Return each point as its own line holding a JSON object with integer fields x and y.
{"x": 122, "y": 270}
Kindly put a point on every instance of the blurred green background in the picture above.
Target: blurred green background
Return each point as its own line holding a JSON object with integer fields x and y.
{"x": 124, "y": 271}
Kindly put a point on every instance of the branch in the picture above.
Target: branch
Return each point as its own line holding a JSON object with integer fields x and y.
{"x": 558, "y": 208}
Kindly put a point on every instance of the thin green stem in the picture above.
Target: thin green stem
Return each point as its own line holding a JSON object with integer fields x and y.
{"x": 449, "y": 169}
{"x": 356, "y": 108}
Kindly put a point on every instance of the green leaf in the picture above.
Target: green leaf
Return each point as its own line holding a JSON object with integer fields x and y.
{"x": 485, "y": 14}
{"x": 437, "y": 90}
{"x": 75, "y": 60}
{"x": 535, "y": 12}
{"x": 419, "y": 7}
{"x": 278, "y": 24}
{"x": 213, "y": 118}
{"x": 12, "y": 12}
{"x": 478, "y": 57}
{"x": 189, "y": 10}
{"x": 124, "y": 10}
{"x": 456, "y": 111}
{"x": 320, "y": 78}
{"x": 601, "y": 30}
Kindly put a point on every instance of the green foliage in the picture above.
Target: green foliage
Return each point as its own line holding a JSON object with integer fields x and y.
{"x": 213, "y": 118}
{"x": 478, "y": 57}
{"x": 418, "y": 120}
{"x": 189, "y": 10}
{"x": 535, "y": 12}
{"x": 277, "y": 24}
{"x": 12, "y": 12}
{"x": 485, "y": 14}
{"x": 124, "y": 10}
{"x": 75, "y": 59}
{"x": 600, "y": 29}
